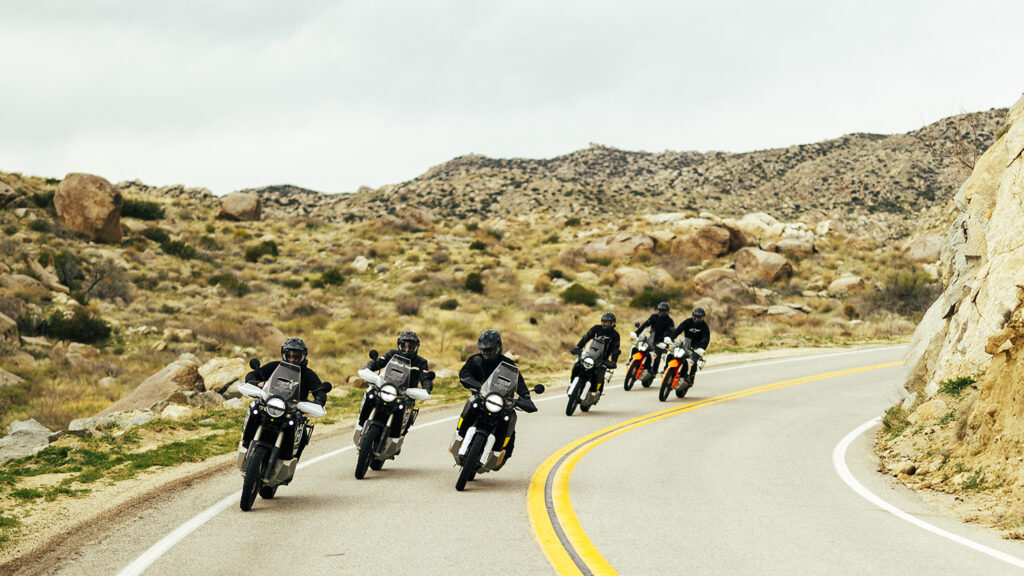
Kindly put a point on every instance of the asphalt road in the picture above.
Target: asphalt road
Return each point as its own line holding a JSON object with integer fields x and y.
{"x": 743, "y": 484}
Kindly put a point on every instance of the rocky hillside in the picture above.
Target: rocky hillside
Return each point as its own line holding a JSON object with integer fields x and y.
{"x": 960, "y": 432}
{"x": 873, "y": 184}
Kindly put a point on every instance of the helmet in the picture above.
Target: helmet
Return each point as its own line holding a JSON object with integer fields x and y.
{"x": 489, "y": 343}
{"x": 297, "y": 349}
{"x": 608, "y": 317}
{"x": 699, "y": 312}
{"x": 663, "y": 307}
{"x": 411, "y": 340}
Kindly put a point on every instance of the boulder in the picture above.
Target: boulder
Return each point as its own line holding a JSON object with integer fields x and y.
{"x": 845, "y": 284}
{"x": 264, "y": 331}
{"x": 924, "y": 249}
{"x": 929, "y": 412}
{"x": 208, "y": 399}
{"x": 9, "y": 197}
{"x": 618, "y": 246}
{"x": 706, "y": 242}
{"x": 182, "y": 374}
{"x": 760, "y": 227}
{"x": 240, "y": 206}
{"x": 21, "y": 283}
{"x": 8, "y": 333}
{"x": 792, "y": 246}
{"x": 89, "y": 205}
{"x": 8, "y": 379}
{"x": 632, "y": 280}
{"x": 219, "y": 373}
{"x": 547, "y": 303}
{"x": 24, "y": 438}
{"x": 46, "y": 276}
{"x": 361, "y": 263}
{"x": 754, "y": 265}
{"x": 719, "y": 283}
{"x": 178, "y": 335}
{"x": 175, "y": 412}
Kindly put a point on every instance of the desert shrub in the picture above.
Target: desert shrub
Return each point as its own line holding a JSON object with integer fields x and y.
{"x": 43, "y": 199}
{"x": 67, "y": 266}
{"x": 474, "y": 282}
{"x": 179, "y": 249}
{"x": 477, "y": 245}
{"x": 292, "y": 282}
{"x": 895, "y": 421}
{"x": 407, "y": 306}
{"x": 231, "y": 283}
{"x": 11, "y": 229}
{"x": 106, "y": 281}
{"x": 440, "y": 256}
{"x": 653, "y": 295}
{"x": 449, "y": 304}
{"x": 542, "y": 284}
{"x": 82, "y": 326}
{"x": 11, "y": 306}
{"x": 253, "y": 253}
{"x": 210, "y": 228}
{"x": 208, "y": 242}
{"x": 554, "y": 273}
{"x": 954, "y": 386}
{"x": 241, "y": 233}
{"x": 307, "y": 308}
{"x": 908, "y": 292}
{"x": 141, "y": 209}
{"x": 40, "y": 225}
{"x": 574, "y": 221}
{"x": 332, "y": 277}
{"x": 158, "y": 235}
{"x": 576, "y": 294}
{"x": 472, "y": 226}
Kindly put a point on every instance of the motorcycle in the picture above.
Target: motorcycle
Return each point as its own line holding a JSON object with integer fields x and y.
{"x": 391, "y": 394}
{"x": 641, "y": 360}
{"x": 678, "y": 367}
{"x": 588, "y": 368}
{"x": 480, "y": 451}
{"x": 274, "y": 431}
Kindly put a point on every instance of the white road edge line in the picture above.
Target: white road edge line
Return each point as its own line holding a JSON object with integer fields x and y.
{"x": 839, "y": 462}
{"x": 147, "y": 558}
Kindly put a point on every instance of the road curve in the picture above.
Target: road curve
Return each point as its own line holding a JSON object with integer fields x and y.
{"x": 738, "y": 486}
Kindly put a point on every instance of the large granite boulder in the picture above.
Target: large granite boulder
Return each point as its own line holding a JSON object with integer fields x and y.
{"x": 241, "y": 206}
{"x": 8, "y": 333}
{"x": 219, "y": 373}
{"x": 699, "y": 239}
{"x": 24, "y": 438}
{"x": 924, "y": 249}
{"x": 755, "y": 266}
{"x": 618, "y": 246}
{"x": 719, "y": 283}
{"x": 182, "y": 374}
{"x": 632, "y": 280}
{"x": 89, "y": 205}
{"x": 9, "y": 197}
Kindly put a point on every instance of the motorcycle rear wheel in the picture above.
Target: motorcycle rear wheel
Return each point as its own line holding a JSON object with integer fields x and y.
{"x": 631, "y": 375}
{"x": 253, "y": 476}
{"x": 682, "y": 390}
{"x": 471, "y": 461}
{"x": 666, "y": 384}
{"x": 366, "y": 444}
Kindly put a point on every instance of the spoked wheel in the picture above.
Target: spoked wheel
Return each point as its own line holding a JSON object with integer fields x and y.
{"x": 366, "y": 444}
{"x": 253, "y": 476}
{"x": 666, "y": 383}
{"x": 470, "y": 462}
{"x": 632, "y": 373}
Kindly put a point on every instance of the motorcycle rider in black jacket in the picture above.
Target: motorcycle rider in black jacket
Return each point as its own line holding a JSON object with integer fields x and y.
{"x": 696, "y": 329}
{"x": 420, "y": 375}
{"x": 661, "y": 325}
{"x": 293, "y": 351}
{"x": 475, "y": 372}
{"x": 606, "y": 330}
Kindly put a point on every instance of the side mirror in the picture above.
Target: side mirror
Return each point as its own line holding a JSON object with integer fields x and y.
{"x": 254, "y": 364}
{"x": 538, "y": 389}
{"x": 429, "y": 375}
{"x": 637, "y": 324}
{"x": 373, "y": 354}
{"x": 328, "y": 387}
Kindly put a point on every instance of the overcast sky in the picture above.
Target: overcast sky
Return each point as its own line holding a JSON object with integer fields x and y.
{"x": 332, "y": 95}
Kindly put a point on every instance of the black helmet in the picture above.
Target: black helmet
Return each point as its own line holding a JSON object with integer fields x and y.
{"x": 608, "y": 317}
{"x": 699, "y": 312}
{"x": 663, "y": 307}
{"x": 298, "y": 351}
{"x": 489, "y": 343}
{"x": 409, "y": 337}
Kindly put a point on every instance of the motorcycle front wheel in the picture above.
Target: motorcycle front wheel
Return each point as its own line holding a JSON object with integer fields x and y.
{"x": 471, "y": 461}
{"x": 632, "y": 373}
{"x": 574, "y": 400}
{"x": 253, "y": 476}
{"x": 666, "y": 384}
{"x": 366, "y": 444}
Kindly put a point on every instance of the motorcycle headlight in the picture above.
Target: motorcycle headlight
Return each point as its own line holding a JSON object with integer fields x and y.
{"x": 680, "y": 352}
{"x": 494, "y": 403}
{"x": 388, "y": 393}
{"x": 275, "y": 407}
{"x": 588, "y": 363}
{"x": 641, "y": 346}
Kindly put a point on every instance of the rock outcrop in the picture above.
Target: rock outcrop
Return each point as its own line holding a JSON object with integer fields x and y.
{"x": 241, "y": 206}
{"x": 182, "y": 374}
{"x": 618, "y": 246}
{"x": 755, "y": 266}
{"x": 89, "y": 205}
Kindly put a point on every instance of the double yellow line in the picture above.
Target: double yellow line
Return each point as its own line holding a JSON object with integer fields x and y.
{"x": 554, "y": 522}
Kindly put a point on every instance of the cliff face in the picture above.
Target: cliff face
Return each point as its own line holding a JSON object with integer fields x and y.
{"x": 961, "y": 432}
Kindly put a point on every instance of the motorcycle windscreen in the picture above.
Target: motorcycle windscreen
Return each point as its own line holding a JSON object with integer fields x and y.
{"x": 284, "y": 382}
{"x": 396, "y": 373}
{"x": 595, "y": 350}
{"x": 502, "y": 381}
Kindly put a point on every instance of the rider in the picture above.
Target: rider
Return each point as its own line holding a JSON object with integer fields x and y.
{"x": 605, "y": 330}
{"x": 475, "y": 372}
{"x": 293, "y": 351}
{"x": 661, "y": 325}
{"x": 696, "y": 329}
{"x": 420, "y": 375}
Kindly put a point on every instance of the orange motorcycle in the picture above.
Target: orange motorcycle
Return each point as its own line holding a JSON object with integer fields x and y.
{"x": 678, "y": 367}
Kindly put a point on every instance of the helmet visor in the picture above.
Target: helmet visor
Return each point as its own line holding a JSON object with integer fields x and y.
{"x": 293, "y": 356}
{"x": 489, "y": 352}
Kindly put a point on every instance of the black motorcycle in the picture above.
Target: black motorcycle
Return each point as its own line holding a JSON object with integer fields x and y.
{"x": 391, "y": 394}
{"x": 274, "y": 432}
{"x": 587, "y": 372}
{"x": 479, "y": 451}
